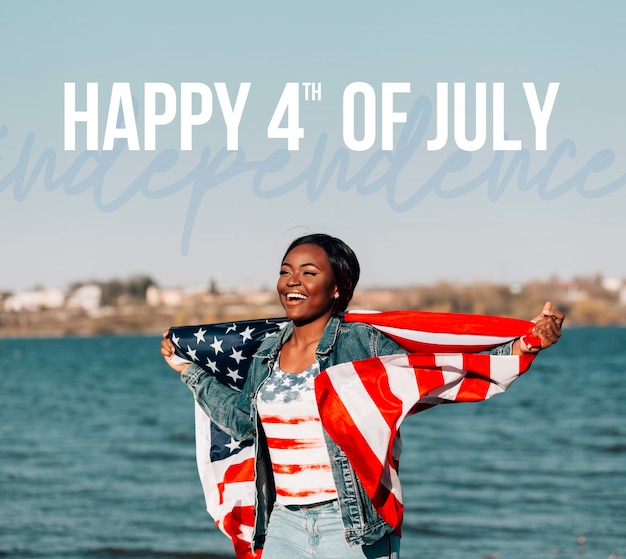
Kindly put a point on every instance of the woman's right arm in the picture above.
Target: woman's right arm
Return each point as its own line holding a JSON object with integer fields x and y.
{"x": 228, "y": 408}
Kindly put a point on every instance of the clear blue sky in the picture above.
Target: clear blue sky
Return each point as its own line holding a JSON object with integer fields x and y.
{"x": 406, "y": 230}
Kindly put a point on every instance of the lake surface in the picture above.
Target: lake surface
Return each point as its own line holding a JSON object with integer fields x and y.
{"x": 97, "y": 458}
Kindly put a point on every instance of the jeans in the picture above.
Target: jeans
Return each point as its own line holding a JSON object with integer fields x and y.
{"x": 317, "y": 533}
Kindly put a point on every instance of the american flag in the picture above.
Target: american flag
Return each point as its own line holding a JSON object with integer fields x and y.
{"x": 225, "y": 465}
{"x": 362, "y": 403}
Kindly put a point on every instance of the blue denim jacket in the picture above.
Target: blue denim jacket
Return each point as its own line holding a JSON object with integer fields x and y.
{"x": 236, "y": 414}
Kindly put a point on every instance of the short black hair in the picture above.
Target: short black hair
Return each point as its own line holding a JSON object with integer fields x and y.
{"x": 343, "y": 262}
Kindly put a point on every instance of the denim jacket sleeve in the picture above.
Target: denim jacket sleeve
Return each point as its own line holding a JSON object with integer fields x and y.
{"x": 504, "y": 349}
{"x": 229, "y": 409}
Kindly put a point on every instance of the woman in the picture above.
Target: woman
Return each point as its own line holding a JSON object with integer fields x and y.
{"x": 310, "y": 503}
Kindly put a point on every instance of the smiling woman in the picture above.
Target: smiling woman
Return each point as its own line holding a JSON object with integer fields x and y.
{"x": 310, "y": 500}
{"x": 309, "y": 294}
{"x": 317, "y": 280}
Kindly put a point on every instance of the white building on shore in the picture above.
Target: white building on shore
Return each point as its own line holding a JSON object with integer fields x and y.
{"x": 35, "y": 300}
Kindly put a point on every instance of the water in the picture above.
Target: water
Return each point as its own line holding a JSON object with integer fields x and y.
{"x": 97, "y": 458}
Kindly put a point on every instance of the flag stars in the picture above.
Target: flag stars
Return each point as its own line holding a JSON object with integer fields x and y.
{"x": 233, "y": 445}
{"x": 279, "y": 325}
{"x": 246, "y": 334}
{"x": 237, "y": 356}
{"x": 175, "y": 339}
{"x": 234, "y": 374}
{"x": 232, "y": 328}
{"x": 217, "y": 345}
{"x": 212, "y": 365}
{"x": 192, "y": 353}
{"x": 200, "y": 335}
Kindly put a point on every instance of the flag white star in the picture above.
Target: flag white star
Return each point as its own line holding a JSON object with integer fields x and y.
{"x": 246, "y": 334}
{"x": 233, "y": 445}
{"x": 217, "y": 345}
{"x": 212, "y": 365}
{"x": 234, "y": 374}
{"x": 200, "y": 335}
{"x": 176, "y": 339}
{"x": 237, "y": 356}
{"x": 280, "y": 325}
{"x": 192, "y": 353}
{"x": 232, "y": 328}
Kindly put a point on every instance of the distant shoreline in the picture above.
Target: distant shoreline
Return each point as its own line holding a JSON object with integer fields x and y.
{"x": 585, "y": 304}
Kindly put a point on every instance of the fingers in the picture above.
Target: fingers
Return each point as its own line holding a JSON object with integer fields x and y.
{"x": 548, "y": 329}
{"x": 547, "y": 309}
{"x": 547, "y": 325}
{"x": 549, "y": 312}
{"x": 168, "y": 352}
{"x": 167, "y": 347}
{"x": 556, "y": 316}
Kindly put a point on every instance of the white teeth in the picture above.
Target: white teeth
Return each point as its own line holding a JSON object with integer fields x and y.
{"x": 292, "y": 296}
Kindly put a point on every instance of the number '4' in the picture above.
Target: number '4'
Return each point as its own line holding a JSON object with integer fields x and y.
{"x": 289, "y": 104}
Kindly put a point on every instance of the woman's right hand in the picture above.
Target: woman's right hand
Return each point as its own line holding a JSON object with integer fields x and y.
{"x": 167, "y": 351}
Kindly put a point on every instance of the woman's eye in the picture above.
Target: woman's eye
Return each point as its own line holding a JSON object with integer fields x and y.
{"x": 310, "y": 274}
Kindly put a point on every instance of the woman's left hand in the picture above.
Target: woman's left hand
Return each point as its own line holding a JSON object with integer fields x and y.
{"x": 547, "y": 329}
{"x": 167, "y": 351}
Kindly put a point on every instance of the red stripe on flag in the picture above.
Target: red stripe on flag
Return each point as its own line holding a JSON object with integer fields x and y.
{"x": 304, "y": 494}
{"x": 243, "y": 471}
{"x": 373, "y": 375}
{"x": 293, "y": 444}
{"x": 231, "y": 524}
{"x": 428, "y": 374}
{"x": 444, "y": 323}
{"x": 472, "y": 390}
{"x": 477, "y": 382}
{"x": 289, "y": 421}
{"x": 296, "y": 468}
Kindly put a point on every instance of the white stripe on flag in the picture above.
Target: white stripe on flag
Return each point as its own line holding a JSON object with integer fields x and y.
{"x": 443, "y": 339}
{"x": 402, "y": 381}
{"x": 361, "y": 408}
{"x": 452, "y": 371}
{"x": 504, "y": 369}
{"x": 391, "y": 481}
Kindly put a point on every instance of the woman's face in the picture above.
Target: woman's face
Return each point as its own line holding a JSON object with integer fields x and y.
{"x": 306, "y": 285}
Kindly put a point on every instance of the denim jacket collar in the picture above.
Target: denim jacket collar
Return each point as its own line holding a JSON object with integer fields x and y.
{"x": 325, "y": 346}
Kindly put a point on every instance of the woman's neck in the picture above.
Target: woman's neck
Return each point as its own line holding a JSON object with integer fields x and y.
{"x": 305, "y": 335}
{"x": 298, "y": 352}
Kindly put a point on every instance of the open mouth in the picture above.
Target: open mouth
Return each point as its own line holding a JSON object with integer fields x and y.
{"x": 295, "y": 297}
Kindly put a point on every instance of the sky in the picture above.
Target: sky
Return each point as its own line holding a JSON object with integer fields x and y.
{"x": 412, "y": 215}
